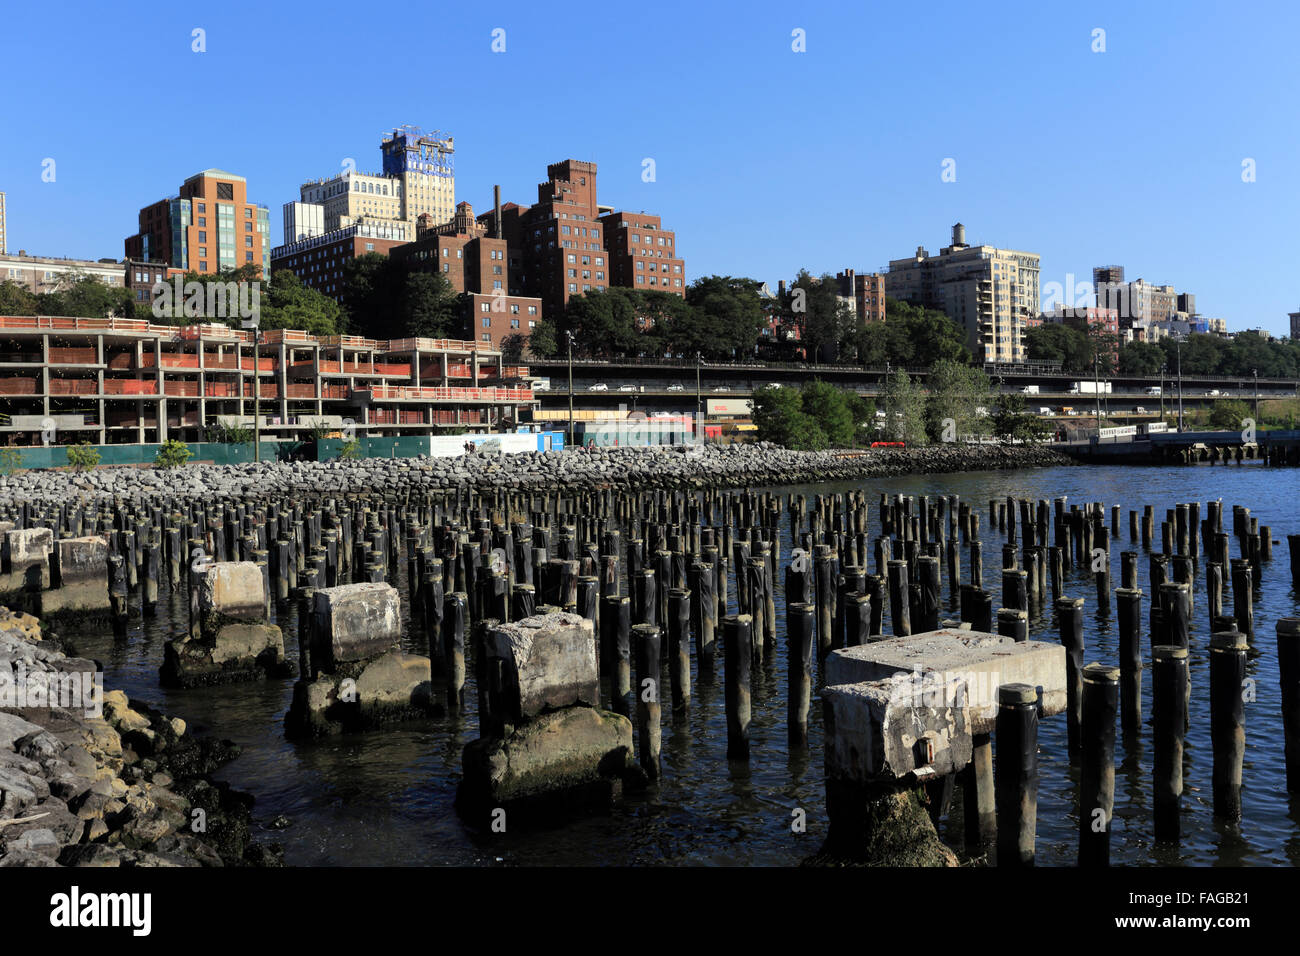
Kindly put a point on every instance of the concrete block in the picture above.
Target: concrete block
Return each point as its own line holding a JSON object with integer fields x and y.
{"x": 82, "y": 560}
{"x": 26, "y": 559}
{"x": 884, "y": 730}
{"x": 354, "y": 623}
{"x": 546, "y": 662}
{"x": 237, "y": 652}
{"x": 984, "y": 661}
{"x": 556, "y": 753}
{"x": 233, "y": 589}
{"x": 393, "y": 687}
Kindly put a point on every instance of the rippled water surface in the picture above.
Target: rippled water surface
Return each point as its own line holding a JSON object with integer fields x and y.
{"x": 386, "y": 797}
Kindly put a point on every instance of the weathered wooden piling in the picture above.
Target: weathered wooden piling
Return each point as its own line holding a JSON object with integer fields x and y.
{"x": 1128, "y": 603}
{"x": 645, "y": 642}
{"x": 1168, "y": 700}
{"x": 1100, "y": 691}
{"x": 1069, "y": 617}
{"x": 738, "y": 639}
{"x": 1227, "y": 720}
{"x": 799, "y": 643}
{"x": 1288, "y": 666}
{"x": 1016, "y": 774}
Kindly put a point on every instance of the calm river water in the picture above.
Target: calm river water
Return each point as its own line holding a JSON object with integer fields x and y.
{"x": 386, "y": 797}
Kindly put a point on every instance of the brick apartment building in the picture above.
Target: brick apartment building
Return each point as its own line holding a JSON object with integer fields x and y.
{"x": 865, "y": 294}
{"x": 471, "y": 255}
{"x": 318, "y": 261}
{"x": 209, "y": 227}
{"x": 567, "y": 244}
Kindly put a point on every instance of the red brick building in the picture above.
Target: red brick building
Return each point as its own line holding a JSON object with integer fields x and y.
{"x": 642, "y": 254}
{"x": 468, "y": 254}
{"x": 318, "y": 261}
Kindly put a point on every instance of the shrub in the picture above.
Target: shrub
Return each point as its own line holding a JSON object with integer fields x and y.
{"x": 172, "y": 454}
{"x": 11, "y": 460}
{"x": 351, "y": 449}
{"x": 83, "y": 457}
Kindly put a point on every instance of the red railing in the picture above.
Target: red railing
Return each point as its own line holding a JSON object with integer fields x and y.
{"x": 73, "y": 386}
{"x": 71, "y": 356}
{"x": 452, "y": 394}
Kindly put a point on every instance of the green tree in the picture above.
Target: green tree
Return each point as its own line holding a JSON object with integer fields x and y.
{"x": 957, "y": 393}
{"x": 1013, "y": 423}
{"x": 172, "y": 454}
{"x": 1141, "y": 358}
{"x": 288, "y": 304}
{"x": 780, "y": 418}
{"x": 543, "y": 340}
{"x": 16, "y": 300}
{"x": 82, "y": 457}
{"x": 1055, "y": 341}
{"x": 828, "y": 408}
{"x": 430, "y": 307}
{"x": 903, "y": 402}
{"x": 11, "y": 461}
{"x": 823, "y": 321}
{"x": 1229, "y": 414}
{"x": 728, "y": 316}
{"x": 512, "y": 348}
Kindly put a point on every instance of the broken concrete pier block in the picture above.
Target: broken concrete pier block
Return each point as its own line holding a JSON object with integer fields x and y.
{"x": 545, "y": 662}
{"x": 80, "y": 574}
{"x": 230, "y": 592}
{"x": 564, "y": 760}
{"x": 235, "y": 643}
{"x": 25, "y": 563}
{"x": 984, "y": 661}
{"x": 393, "y": 687}
{"x": 884, "y": 741}
{"x": 353, "y": 624}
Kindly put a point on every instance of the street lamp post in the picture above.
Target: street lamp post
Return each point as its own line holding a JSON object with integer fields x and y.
{"x": 1255, "y": 372}
{"x": 1164, "y": 369}
{"x": 569, "y": 334}
{"x": 1178, "y": 347}
{"x": 1096, "y": 390}
{"x": 699, "y": 403}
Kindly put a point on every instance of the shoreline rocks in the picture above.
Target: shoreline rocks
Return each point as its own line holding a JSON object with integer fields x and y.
{"x": 669, "y": 467}
{"x": 107, "y": 781}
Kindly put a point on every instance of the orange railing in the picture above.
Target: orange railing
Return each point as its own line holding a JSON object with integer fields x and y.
{"x": 452, "y": 394}
{"x": 209, "y": 330}
{"x": 72, "y": 386}
{"x": 128, "y": 386}
{"x": 20, "y": 386}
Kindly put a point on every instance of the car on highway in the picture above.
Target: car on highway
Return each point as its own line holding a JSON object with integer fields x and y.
{"x": 1154, "y": 390}
{"x": 627, "y": 388}
{"x": 676, "y": 388}
{"x": 1139, "y": 410}
{"x": 721, "y": 388}
{"x": 1214, "y": 393}
{"x": 599, "y": 387}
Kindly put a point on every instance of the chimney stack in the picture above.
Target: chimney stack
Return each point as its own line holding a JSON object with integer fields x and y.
{"x": 496, "y": 212}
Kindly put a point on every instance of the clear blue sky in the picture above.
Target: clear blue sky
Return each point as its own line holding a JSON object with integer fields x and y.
{"x": 767, "y": 160}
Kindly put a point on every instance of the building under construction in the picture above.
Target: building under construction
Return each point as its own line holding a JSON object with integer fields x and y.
{"x": 126, "y": 381}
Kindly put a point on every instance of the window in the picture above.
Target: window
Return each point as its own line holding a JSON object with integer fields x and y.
{"x": 486, "y": 336}
{"x": 485, "y": 307}
{"x": 532, "y": 310}
{"x": 514, "y": 323}
{"x": 532, "y": 324}
{"x": 248, "y": 212}
{"x": 203, "y": 266}
{"x": 370, "y": 247}
{"x": 248, "y": 242}
{"x": 514, "y": 310}
{"x": 572, "y": 258}
{"x": 203, "y": 237}
{"x": 487, "y": 322}
{"x": 248, "y": 257}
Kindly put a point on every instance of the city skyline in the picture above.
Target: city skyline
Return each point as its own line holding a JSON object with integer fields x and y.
{"x": 852, "y": 180}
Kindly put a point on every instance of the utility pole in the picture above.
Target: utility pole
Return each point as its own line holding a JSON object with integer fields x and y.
{"x": 1178, "y": 346}
{"x": 570, "y": 337}
{"x": 1096, "y": 385}
{"x": 699, "y": 401}
{"x": 1255, "y": 371}
{"x": 1163, "y": 370}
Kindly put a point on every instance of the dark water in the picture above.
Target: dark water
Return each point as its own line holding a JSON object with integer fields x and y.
{"x": 386, "y": 797}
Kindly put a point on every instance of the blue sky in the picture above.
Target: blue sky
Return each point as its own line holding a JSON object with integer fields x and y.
{"x": 766, "y": 160}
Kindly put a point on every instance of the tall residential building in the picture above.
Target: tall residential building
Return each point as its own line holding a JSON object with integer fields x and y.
{"x": 417, "y": 177}
{"x": 1106, "y": 276}
{"x": 318, "y": 260}
{"x": 209, "y": 227}
{"x": 2, "y": 223}
{"x": 1295, "y": 325}
{"x": 567, "y": 244}
{"x": 988, "y": 291}
{"x": 473, "y": 257}
{"x": 864, "y": 294}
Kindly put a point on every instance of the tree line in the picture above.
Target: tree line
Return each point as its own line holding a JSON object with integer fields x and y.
{"x": 956, "y": 403}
